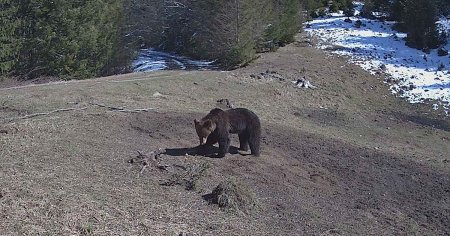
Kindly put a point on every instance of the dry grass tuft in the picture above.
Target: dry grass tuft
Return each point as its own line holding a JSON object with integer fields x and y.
{"x": 233, "y": 195}
{"x": 189, "y": 177}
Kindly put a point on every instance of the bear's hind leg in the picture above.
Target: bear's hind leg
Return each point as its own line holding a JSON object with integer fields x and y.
{"x": 253, "y": 141}
{"x": 243, "y": 141}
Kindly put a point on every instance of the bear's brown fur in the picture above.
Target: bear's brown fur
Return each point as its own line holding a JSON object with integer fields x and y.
{"x": 218, "y": 124}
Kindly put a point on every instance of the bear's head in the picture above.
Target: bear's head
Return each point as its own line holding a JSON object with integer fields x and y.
{"x": 204, "y": 128}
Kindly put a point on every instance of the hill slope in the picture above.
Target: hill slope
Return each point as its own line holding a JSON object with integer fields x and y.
{"x": 346, "y": 158}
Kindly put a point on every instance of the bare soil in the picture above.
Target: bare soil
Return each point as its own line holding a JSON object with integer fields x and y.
{"x": 345, "y": 158}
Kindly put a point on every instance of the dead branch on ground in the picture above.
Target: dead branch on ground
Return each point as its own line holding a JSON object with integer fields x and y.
{"x": 43, "y": 113}
{"x": 121, "y": 109}
{"x": 151, "y": 158}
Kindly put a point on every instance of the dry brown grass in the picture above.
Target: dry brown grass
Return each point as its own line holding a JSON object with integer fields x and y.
{"x": 233, "y": 195}
{"x": 188, "y": 176}
{"x": 347, "y": 157}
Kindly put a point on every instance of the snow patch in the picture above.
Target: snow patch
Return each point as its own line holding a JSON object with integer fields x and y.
{"x": 152, "y": 60}
{"x": 373, "y": 45}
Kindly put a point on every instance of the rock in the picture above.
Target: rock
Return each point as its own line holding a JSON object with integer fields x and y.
{"x": 404, "y": 87}
{"x": 348, "y": 20}
{"x": 303, "y": 83}
{"x": 225, "y": 103}
{"x": 394, "y": 35}
{"x": 157, "y": 95}
{"x": 442, "y": 52}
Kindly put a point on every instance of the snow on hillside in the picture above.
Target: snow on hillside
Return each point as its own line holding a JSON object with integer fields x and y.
{"x": 372, "y": 44}
{"x": 152, "y": 60}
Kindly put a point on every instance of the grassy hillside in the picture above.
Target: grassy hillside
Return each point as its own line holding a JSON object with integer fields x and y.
{"x": 346, "y": 158}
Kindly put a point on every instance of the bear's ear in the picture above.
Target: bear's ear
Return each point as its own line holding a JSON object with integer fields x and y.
{"x": 196, "y": 122}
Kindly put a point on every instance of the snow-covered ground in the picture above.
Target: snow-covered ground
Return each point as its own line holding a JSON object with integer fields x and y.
{"x": 413, "y": 74}
{"x": 152, "y": 60}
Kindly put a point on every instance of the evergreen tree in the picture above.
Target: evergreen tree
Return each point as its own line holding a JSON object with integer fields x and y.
{"x": 443, "y": 7}
{"x": 229, "y": 31}
{"x": 420, "y": 22}
{"x": 397, "y": 10}
{"x": 367, "y": 9}
{"x": 382, "y": 5}
{"x": 75, "y": 39}
{"x": 9, "y": 42}
{"x": 289, "y": 21}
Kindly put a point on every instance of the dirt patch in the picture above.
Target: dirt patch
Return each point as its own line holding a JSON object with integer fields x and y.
{"x": 308, "y": 177}
{"x": 382, "y": 184}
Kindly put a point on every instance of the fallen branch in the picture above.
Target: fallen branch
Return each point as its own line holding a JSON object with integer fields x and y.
{"x": 121, "y": 109}
{"x": 44, "y": 113}
{"x": 136, "y": 110}
{"x": 146, "y": 160}
{"x": 106, "y": 106}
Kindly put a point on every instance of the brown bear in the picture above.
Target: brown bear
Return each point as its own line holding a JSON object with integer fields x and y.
{"x": 218, "y": 124}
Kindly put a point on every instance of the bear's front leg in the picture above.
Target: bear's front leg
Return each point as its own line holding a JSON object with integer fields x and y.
{"x": 224, "y": 145}
{"x": 212, "y": 139}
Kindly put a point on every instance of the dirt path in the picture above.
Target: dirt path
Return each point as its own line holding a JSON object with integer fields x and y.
{"x": 346, "y": 158}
